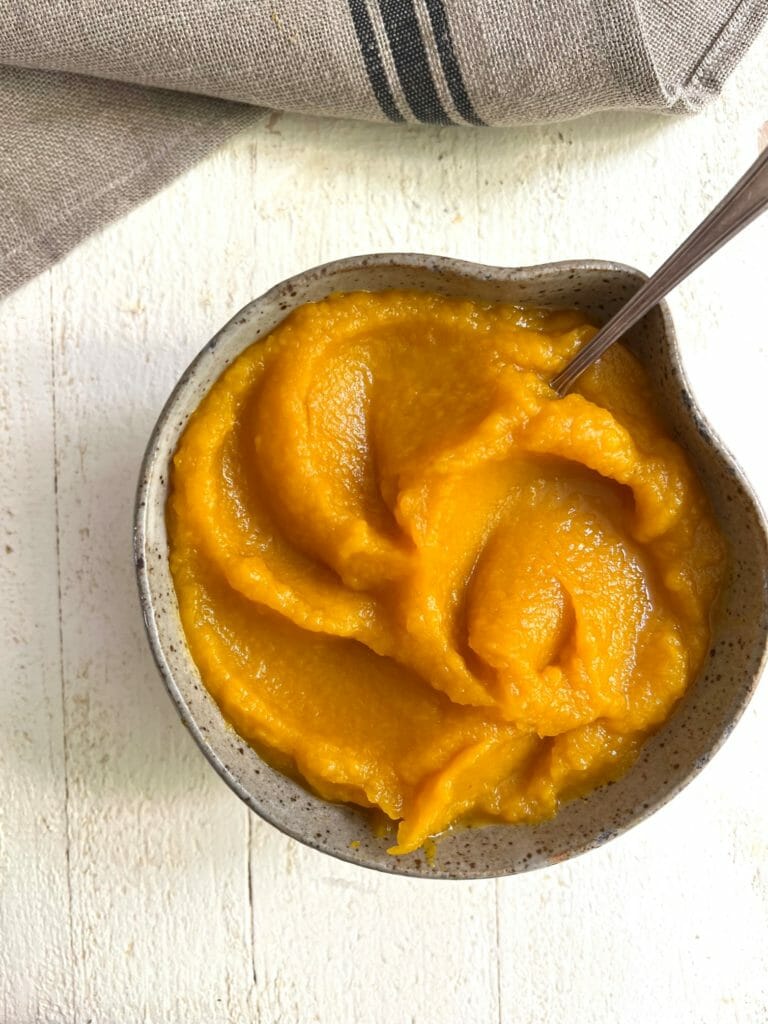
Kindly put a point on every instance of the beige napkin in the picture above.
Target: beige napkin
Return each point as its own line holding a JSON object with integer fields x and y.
{"x": 100, "y": 104}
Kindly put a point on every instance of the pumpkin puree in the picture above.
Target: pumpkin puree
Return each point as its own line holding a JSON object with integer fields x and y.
{"x": 416, "y": 577}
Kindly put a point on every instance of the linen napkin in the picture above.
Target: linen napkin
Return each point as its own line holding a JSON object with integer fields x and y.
{"x": 101, "y": 104}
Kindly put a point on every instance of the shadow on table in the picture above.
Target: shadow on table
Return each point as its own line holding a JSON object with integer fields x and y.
{"x": 122, "y": 733}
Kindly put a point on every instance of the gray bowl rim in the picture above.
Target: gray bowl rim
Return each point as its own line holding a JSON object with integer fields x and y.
{"x": 467, "y": 269}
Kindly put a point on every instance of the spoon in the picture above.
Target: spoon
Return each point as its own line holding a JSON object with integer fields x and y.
{"x": 747, "y": 199}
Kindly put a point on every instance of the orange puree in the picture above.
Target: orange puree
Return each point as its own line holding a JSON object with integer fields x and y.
{"x": 415, "y": 577}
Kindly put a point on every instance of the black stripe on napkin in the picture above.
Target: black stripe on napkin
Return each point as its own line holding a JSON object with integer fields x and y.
{"x": 450, "y": 62}
{"x": 372, "y": 58}
{"x": 411, "y": 63}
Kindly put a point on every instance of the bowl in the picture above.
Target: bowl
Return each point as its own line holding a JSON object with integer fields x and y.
{"x": 681, "y": 748}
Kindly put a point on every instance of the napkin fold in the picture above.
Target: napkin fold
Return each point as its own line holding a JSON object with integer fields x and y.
{"x": 101, "y": 104}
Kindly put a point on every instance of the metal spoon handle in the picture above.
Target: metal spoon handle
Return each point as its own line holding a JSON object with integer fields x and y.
{"x": 747, "y": 199}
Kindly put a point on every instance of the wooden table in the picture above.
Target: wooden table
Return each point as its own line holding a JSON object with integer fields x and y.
{"x": 133, "y": 885}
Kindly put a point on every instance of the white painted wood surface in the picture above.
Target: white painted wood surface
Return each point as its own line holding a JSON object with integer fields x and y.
{"x": 133, "y": 885}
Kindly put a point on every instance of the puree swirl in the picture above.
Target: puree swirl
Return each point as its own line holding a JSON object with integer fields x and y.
{"x": 411, "y": 574}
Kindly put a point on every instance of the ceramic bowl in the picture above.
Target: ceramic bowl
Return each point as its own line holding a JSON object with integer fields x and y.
{"x": 671, "y": 759}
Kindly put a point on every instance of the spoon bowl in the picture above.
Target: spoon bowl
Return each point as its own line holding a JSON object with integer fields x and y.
{"x": 680, "y": 749}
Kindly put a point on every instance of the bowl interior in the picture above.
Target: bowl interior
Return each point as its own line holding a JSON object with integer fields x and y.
{"x": 680, "y": 749}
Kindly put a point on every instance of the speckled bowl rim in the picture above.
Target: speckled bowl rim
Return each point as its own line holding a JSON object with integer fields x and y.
{"x": 465, "y": 269}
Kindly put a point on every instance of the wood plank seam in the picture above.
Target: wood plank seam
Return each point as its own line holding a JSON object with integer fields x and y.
{"x": 62, "y": 674}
